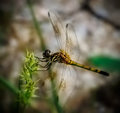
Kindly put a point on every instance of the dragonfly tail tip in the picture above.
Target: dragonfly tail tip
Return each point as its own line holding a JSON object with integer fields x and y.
{"x": 104, "y": 73}
{"x": 66, "y": 25}
{"x": 48, "y": 13}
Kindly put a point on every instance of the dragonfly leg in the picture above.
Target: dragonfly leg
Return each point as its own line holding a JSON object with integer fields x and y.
{"x": 46, "y": 67}
{"x": 41, "y": 59}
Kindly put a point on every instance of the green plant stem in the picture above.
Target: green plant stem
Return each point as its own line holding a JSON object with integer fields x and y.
{"x": 8, "y": 85}
{"x": 55, "y": 98}
{"x": 36, "y": 24}
{"x": 12, "y": 89}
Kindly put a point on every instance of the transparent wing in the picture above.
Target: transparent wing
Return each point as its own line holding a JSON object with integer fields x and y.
{"x": 67, "y": 84}
{"x": 72, "y": 44}
{"x": 58, "y": 28}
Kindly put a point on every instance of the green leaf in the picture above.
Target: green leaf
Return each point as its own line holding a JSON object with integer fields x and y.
{"x": 106, "y": 62}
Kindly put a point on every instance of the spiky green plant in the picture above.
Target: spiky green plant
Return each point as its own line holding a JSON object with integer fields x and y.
{"x": 27, "y": 84}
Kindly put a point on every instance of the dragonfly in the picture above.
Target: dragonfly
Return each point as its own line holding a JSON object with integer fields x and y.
{"x": 62, "y": 55}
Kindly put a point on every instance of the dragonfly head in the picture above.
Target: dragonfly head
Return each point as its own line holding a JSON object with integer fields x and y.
{"x": 46, "y": 53}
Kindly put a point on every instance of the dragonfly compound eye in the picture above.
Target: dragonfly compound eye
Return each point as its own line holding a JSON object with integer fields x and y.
{"x": 46, "y": 53}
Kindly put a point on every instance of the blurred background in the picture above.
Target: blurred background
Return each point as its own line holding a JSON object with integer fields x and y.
{"x": 24, "y": 24}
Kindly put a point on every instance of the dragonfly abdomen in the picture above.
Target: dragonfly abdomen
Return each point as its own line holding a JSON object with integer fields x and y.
{"x": 89, "y": 68}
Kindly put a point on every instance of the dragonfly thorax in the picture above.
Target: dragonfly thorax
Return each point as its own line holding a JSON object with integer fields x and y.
{"x": 64, "y": 57}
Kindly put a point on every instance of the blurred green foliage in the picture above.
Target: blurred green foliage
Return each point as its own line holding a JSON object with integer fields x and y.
{"x": 106, "y": 62}
{"x": 36, "y": 24}
{"x": 8, "y": 85}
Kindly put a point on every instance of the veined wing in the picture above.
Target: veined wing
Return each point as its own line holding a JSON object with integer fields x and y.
{"x": 58, "y": 28}
{"x": 65, "y": 35}
{"x": 72, "y": 45}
